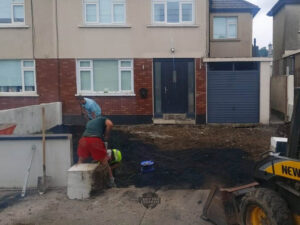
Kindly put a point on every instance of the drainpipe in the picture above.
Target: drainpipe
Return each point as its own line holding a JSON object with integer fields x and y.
{"x": 57, "y": 51}
{"x": 32, "y": 30}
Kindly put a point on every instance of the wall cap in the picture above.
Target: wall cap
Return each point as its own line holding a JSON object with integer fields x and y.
{"x": 107, "y": 94}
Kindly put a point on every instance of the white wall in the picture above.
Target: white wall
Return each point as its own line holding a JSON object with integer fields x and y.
{"x": 290, "y": 96}
{"x": 29, "y": 118}
{"x": 15, "y": 156}
{"x": 282, "y": 95}
{"x": 265, "y": 80}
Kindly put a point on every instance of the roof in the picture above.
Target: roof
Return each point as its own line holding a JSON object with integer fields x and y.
{"x": 281, "y": 3}
{"x": 233, "y": 6}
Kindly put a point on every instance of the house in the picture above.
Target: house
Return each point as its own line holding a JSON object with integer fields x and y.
{"x": 286, "y": 53}
{"x": 142, "y": 61}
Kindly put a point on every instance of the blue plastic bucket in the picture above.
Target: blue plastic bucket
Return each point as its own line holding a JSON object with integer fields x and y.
{"x": 147, "y": 166}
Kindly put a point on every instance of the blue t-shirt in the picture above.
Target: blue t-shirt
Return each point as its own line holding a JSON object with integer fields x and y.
{"x": 91, "y": 107}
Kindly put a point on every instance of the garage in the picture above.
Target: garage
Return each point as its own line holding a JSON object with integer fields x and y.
{"x": 233, "y": 92}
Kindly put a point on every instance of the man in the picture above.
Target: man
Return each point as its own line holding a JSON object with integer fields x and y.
{"x": 114, "y": 158}
{"x": 92, "y": 143}
{"x": 89, "y": 108}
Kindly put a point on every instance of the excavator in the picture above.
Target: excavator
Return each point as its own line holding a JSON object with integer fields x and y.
{"x": 274, "y": 197}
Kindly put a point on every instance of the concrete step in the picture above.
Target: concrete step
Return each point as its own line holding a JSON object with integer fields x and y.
{"x": 178, "y": 116}
{"x": 174, "y": 121}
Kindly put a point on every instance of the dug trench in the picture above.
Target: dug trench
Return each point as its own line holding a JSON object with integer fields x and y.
{"x": 186, "y": 157}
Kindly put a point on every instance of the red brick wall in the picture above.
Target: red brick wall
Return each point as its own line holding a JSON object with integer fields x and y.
{"x": 47, "y": 86}
{"x": 200, "y": 88}
{"x": 47, "y": 80}
{"x": 133, "y": 105}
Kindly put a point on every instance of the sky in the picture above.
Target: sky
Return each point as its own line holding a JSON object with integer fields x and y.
{"x": 263, "y": 24}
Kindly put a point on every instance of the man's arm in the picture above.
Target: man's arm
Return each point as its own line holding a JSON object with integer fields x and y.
{"x": 109, "y": 126}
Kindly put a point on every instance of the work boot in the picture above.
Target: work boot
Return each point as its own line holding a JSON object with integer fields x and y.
{"x": 112, "y": 183}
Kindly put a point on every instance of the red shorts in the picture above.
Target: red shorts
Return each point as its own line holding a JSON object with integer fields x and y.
{"x": 91, "y": 146}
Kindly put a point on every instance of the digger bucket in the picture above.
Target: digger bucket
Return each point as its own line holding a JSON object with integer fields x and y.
{"x": 222, "y": 207}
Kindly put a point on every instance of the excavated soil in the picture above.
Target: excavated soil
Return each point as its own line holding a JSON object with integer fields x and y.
{"x": 188, "y": 156}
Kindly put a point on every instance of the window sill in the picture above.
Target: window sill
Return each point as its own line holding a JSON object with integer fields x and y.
{"x": 225, "y": 40}
{"x": 15, "y": 94}
{"x": 8, "y": 26}
{"x": 104, "y": 26}
{"x": 172, "y": 26}
{"x": 107, "y": 94}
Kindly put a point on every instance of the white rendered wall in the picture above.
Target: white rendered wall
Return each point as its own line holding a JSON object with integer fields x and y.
{"x": 15, "y": 156}
{"x": 265, "y": 82}
{"x": 29, "y": 118}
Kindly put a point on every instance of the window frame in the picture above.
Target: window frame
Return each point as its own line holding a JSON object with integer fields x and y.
{"x": 227, "y": 27}
{"x": 98, "y": 22}
{"x": 12, "y": 13}
{"x": 91, "y": 92}
{"x": 13, "y": 22}
{"x": 23, "y": 70}
{"x": 165, "y": 22}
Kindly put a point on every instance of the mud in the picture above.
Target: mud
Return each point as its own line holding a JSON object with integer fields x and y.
{"x": 187, "y": 156}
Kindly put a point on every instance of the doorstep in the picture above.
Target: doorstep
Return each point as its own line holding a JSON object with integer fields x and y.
{"x": 174, "y": 121}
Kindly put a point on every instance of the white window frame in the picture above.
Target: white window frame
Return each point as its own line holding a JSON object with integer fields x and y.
{"x": 181, "y": 2}
{"x": 105, "y": 93}
{"x": 23, "y": 70}
{"x": 227, "y": 27}
{"x": 98, "y": 22}
{"x": 12, "y": 13}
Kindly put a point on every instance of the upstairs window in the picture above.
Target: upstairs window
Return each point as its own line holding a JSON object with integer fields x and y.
{"x": 104, "y": 11}
{"x": 172, "y": 11}
{"x": 225, "y": 27}
{"x": 17, "y": 76}
{"x": 105, "y": 76}
{"x": 12, "y": 12}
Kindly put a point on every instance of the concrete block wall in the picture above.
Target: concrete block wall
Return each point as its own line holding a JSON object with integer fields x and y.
{"x": 15, "y": 155}
{"x": 29, "y": 119}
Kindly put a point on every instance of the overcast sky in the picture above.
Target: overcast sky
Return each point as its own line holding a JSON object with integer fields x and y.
{"x": 263, "y": 24}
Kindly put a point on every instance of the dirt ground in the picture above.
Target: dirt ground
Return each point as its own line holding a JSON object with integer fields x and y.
{"x": 187, "y": 159}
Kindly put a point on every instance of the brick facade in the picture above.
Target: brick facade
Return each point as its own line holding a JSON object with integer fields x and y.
{"x": 53, "y": 86}
{"x": 200, "y": 91}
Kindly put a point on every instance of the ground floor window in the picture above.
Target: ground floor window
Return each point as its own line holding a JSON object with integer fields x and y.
{"x": 105, "y": 76}
{"x": 17, "y": 76}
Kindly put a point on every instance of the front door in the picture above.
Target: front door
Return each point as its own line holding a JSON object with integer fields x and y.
{"x": 171, "y": 81}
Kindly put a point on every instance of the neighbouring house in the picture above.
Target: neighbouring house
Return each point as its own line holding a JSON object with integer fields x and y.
{"x": 160, "y": 61}
{"x": 286, "y": 54}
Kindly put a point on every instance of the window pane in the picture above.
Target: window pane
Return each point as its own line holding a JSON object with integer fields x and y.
{"x": 125, "y": 63}
{"x": 10, "y": 76}
{"x": 219, "y": 28}
{"x": 91, "y": 13}
{"x": 5, "y": 11}
{"x": 18, "y": 11}
{"x": 85, "y": 80}
{"x": 85, "y": 64}
{"x": 232, "y": 31}
{"x": 159, "y": 12}
{"x": 28, "y": 64}
{"x": 106, "y": 75}
{"x": 187, "y": 12}
{"x": 29, "y": 80}
{"x": 126, "y": 80}
{"x": 173, "y": 12}
{"x": 119, "y": 13}
{"x": 105, "y": 11}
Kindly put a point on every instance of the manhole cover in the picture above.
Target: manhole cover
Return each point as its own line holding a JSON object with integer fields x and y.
{"x": 149, "y": 200}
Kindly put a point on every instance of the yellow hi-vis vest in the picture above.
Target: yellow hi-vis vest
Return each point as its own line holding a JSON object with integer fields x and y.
{"x": 116, "y": 156}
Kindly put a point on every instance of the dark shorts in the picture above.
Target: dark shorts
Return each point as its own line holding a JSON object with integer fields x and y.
{"x": 91, "y": 146}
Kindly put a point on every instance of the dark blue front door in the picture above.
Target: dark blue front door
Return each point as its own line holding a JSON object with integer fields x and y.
{"x": 174, "y": 86}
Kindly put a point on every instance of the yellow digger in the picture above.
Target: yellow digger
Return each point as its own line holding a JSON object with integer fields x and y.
{"x": 274, "y": 199}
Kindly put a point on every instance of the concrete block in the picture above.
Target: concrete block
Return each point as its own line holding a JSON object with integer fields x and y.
{"x": 81, "y": 181}
{"x": 275, "y": 141}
